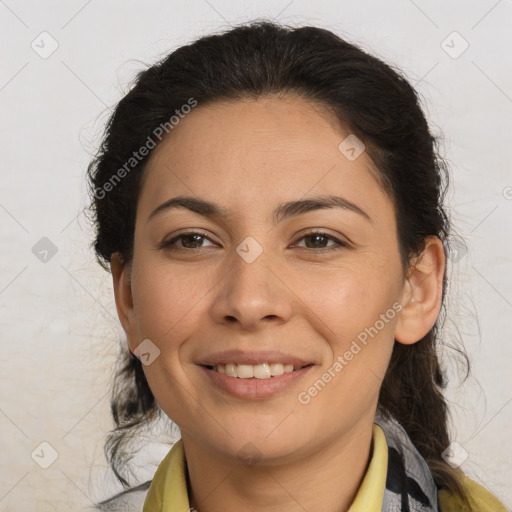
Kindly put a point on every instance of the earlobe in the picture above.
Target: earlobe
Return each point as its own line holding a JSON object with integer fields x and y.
{"x": 123, "y": 294}
{"x": 422, "y": 293}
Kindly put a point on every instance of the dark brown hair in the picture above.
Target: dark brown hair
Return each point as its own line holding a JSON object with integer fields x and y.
{"x": 369, "y": 97}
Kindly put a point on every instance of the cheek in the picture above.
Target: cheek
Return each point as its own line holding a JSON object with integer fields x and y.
{"x": 359, "y": 331}
{"x": 165, "y": 302}
{"x": 348, "y": 300}
{"x": 356, "y": 312}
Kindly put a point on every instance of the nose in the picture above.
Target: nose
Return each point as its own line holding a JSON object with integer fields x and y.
{"x": 253, "y": 294}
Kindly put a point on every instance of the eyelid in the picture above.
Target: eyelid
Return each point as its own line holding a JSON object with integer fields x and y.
{"x": 339, "y": 241}
{"x": 186, "y": 232}
{"x": 323, "y": 231}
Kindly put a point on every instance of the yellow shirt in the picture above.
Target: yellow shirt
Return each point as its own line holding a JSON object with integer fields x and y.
{"x": 168, "y": 490}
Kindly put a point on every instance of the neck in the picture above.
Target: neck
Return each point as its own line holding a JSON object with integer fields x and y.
{"x": 327, "y": 477}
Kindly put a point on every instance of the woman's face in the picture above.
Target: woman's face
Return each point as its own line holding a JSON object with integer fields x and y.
{"x": 256, "y": 286}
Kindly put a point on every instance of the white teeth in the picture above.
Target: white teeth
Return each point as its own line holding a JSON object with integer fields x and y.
{"x": 258, "y": 371}
{"x": 245, "y": 371}
{"x": 276, "y": 369}
{"x": 262, "y": 371}
{"x": 231, "y": 370}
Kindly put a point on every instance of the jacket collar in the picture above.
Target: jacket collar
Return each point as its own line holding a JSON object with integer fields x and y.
{"x": 397, "y": 479}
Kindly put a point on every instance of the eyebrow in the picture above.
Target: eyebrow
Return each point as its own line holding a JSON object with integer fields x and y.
{"x": 283, "y": 211}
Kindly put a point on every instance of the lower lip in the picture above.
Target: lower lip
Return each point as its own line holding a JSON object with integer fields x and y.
{"x": 255, "y": 389}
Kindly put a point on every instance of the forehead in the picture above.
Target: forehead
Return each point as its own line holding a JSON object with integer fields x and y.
{"x": 250, "y": 152}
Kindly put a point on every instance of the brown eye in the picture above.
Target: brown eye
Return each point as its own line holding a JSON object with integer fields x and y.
{"x": 190, "y": 240}
{"x": 318, "y": 239}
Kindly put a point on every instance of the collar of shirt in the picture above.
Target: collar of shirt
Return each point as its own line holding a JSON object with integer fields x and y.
{"x": 168, "y": 490}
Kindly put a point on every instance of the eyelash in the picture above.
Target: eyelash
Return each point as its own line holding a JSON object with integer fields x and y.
{"x": 170, "y": 244}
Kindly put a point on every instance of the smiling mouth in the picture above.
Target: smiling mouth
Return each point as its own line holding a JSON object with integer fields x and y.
{"x": 258, "y": 371}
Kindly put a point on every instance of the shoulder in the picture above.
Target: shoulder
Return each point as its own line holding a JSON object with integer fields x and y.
{"x": 131, "y": 500}
{"x": 480, "y": 499}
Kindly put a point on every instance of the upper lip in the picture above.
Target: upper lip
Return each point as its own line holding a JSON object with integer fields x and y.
{"x": 252, "y": 357}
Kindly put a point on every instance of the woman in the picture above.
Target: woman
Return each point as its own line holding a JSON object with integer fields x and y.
{"x": 270, "y": 204}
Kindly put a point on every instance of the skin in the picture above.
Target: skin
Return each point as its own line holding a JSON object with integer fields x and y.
{"x": 249, "y": 157}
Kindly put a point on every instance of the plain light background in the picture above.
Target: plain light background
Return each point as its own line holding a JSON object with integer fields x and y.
{"x": 60, "y": 332}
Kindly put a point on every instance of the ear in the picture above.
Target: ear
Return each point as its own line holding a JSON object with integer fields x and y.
{"x": 422, "y": 293}
{"x": 121, "y": 277}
